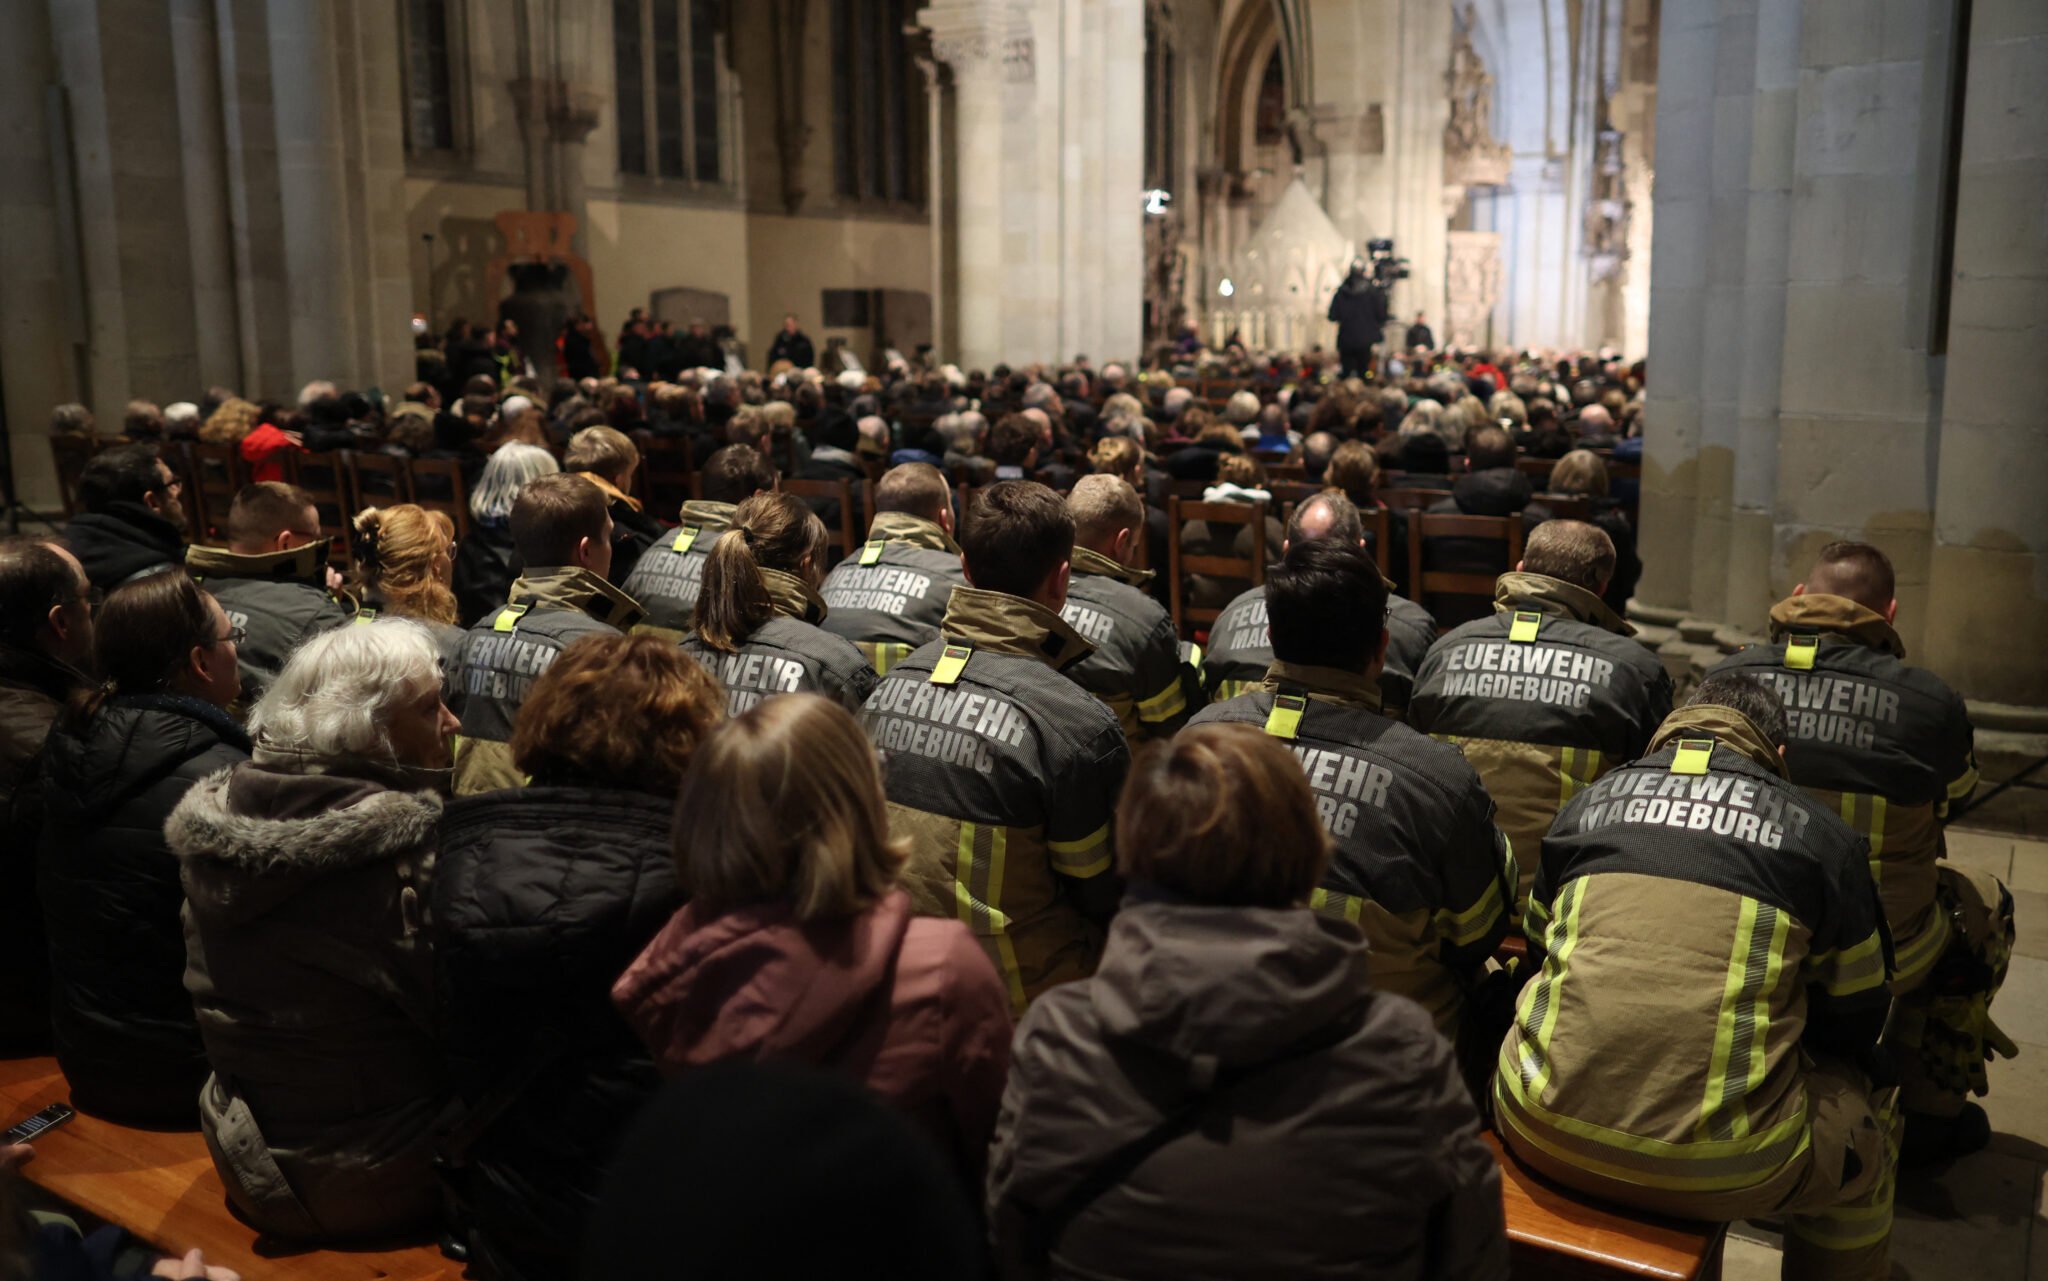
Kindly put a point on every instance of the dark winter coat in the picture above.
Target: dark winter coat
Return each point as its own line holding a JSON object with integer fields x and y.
{"x": 33, "y": 689}
{"x": 1493, "y": 491}
{"x": 121, "y": 1019}
{"x": 312, "y": 978}
{"x": 485, "y": 566}
{"x": 1360, "y": 312}
{"x": 1359, "y": 1158}
{"x": 124, "y": 541}
{"x": 542, "y": 897}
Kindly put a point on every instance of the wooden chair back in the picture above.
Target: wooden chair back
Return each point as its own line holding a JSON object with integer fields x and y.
{"x": 1413, "y": 500}
{"x": 1536, "y": 469}
{"x": 843, "y": 534}
{"x": 1422, "y": 526}
{"x": 324, "y": 477}
{"x": 71, "y": 454}
{"x": 376, "y": 480}
{"x": 1565, "y": 506}
{"x": 1181, "y": 563}
{"x": 437, "y": 485}
{"x": 215, "y": 474}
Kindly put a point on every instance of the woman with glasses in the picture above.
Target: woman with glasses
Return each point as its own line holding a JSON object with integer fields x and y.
{"x": 118, "y": 761}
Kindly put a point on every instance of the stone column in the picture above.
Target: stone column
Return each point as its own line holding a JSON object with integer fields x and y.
{"x": 41, "y": 324}
{"x": 968, "y": 37}
{"x": 1988, "y": 587}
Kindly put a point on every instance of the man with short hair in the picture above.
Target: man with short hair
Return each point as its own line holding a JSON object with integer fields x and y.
{"x": 1136, "y": 667}
{"x": 890, "y": 596}
{"x": 134, "y": 521}
{"x": 1419, "y": 335}
{"x": 563, "y": 531}
{"x": 793, "y": 345}
{"x": 607, "y": 458}
{"x": 46, "y": 605}
{"x": 1890, "y": 748}
{"x": 664, "y": 581}
{"x": 1013, "y": 444}
{"x": 1549, "y": 693}
{"x": 1002, "y": 773}
{"x": 1596, "y": 428}
{"x": 1417, "y": 862}
{"x": 1241, "y": 649}
{"x": 1710, "y": 958}
{"x": 272, "y": 580}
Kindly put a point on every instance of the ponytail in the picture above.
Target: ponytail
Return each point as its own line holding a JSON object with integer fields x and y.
{"x": 772, "y": 531}
{"x": 732, "y": 599}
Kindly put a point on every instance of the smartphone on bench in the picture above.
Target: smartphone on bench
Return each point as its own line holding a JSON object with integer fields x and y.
{"x": 36, "y": 1126}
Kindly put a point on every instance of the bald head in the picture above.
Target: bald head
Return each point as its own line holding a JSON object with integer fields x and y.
{"x": 1594, "y": 420}
{"x": 1571, "y": 551}
{"x": 1326, "y": 515}
{"x": 1857, "y": 571}
{"x": 1106, "y": 510}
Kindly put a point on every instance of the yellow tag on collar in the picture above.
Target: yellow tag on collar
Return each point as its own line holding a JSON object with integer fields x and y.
{"x": 684, "y": 537}
{"x": 1693, "y": 756}
{"x": 1284, "y": 721}
{"x": 1799, "y": 652}
{"x": 508, "y": 618}
{"x": 873, "y": 551}
{"x": 1523, "y": 629}
{"x": 365, "y": 616}
{"x": 952, "y": 662}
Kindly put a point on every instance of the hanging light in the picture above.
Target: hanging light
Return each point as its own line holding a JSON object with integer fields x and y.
{"x": 1226, "y": 288}
{"x": 1156, "y": 201}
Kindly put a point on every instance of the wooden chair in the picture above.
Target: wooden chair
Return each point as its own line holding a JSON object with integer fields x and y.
{"x": 1565, "y": 506}
{"x": 1424, "y": 583}
{"x": 1412, "y": 500}
{"x": 663, "y": 480}
{"x": 376, "y": 480}
{"x": 1180, "y": 563}
{"x": 1536, "y": 469}
{"x": 1379, "y": 526}
{"x": 844, "y": 534}
{"x": 324, "y": 477}
{"x": 162, "y": 1186}
{"x": 72, "y": 453}
{"x": 437, "y": 485}
{"x": 215, "y": 473}
{"x": 1292, "y": 493}
{"x": 1287, "y": 471}
{"x": 1554, "y": 1234}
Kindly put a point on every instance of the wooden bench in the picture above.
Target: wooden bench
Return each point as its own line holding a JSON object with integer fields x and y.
{"x": 1553, "y": 1234}
{"x": 161, "y": 1186}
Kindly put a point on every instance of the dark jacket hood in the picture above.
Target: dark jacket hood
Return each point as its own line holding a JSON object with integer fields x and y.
{"x": 1226, "y": 984}
{"x": 129, "y": 746}
{"x": 756, "y": 983}
{"x": 121, "y": 540}
{"x": 250, "y": 838}
{"x": 1496, "y": 491}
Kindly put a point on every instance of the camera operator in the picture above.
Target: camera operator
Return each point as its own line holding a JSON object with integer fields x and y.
{"x": 1360, "y": 309}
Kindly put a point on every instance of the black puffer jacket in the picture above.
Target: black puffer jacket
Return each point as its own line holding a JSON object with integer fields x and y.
{"x": 33, "y": 688}
{"x": 126, "y": 540}
{"x": 486, "y": 564}
{"x": 542, "y": 898}
{"x": 121, "y": 1018}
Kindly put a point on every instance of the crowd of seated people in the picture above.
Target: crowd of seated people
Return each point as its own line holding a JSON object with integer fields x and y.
{"x": 409, "y": 882}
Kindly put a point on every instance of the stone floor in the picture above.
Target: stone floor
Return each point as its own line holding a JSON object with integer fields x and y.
{"x": 1981, "y": 1218}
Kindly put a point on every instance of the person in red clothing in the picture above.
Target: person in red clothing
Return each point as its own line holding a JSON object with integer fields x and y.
{"x": 797, "y": 946}
{"x": 240, "y": 423}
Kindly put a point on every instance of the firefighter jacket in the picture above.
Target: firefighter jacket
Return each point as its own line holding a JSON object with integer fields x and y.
{"x": 1886, "y": 746}
{"x": 1003, "y": 775}
{"x": 1136, "y": 664}
{"x": 665, "y": 578}
{"x": 279, "y": 598}
{"x": 1417, "y": 862}
{"x": 788, "y": 654}
{"x": 1699, "y": 928}
{"x": 1544, "y": 697}
{"x": 1240, "y": 649}
{"x": 547, "y": 611}
{"x": 890, "y": 597}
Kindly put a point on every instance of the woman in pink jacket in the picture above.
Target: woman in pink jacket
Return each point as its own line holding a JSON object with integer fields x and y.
{"x": 795, "y": 943}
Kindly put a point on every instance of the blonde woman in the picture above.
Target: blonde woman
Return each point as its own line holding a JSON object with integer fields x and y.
{"x": 758, "y": 611}
{"x": 797, "y": 945}
{"x": 405, "y": 563}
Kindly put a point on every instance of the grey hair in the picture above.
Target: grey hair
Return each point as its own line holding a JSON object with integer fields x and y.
{"x": 1176, "y": 399}
{"x": 504, "y": 476}
{"x": 333, "y": 702}
{"x": 1241, "y": 408}
{"x": 1040, "y": 394}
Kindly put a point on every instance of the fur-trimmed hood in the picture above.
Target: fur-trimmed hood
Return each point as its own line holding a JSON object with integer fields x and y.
{"x": 249, "y": 837}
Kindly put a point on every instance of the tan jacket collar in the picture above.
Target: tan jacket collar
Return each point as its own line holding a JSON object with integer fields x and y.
{"x": 793, "y": 596}
{"x": 1834, "y": 616}
{"x": 1332, "y": 684}
{"x": 573, "y": 587}
{"x": 710, "y": 517}
{"x": 1006, "y": 624}
{"x": 1725, "y": 726}
{"x": 306, "y": 564}
{"x": 1558, "y": 599}
{"x": 611, "y": 491}
{"x": 902, "y": 527}
{"x": 1089, "y": 561}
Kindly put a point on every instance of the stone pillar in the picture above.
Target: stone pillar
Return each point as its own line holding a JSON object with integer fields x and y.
{"x": 969, "y": 38}
{"x": 42, "y": 333}
{"x": 1988, "y": 587}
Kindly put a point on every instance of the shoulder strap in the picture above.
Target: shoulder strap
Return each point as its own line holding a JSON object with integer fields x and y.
{"x": 1043, "y": 1228}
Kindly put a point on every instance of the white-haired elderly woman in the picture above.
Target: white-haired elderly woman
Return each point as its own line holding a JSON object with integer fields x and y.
{"x": 486, "y": 562}
{"x": 305, "y": 872}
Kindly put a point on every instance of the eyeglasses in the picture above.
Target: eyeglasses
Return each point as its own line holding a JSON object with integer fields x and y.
{"x": 92, "y": 598}
{"x": 235, "y": 636}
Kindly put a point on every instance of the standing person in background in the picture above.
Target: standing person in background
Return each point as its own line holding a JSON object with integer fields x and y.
{"x": 1360, "y": 309}
{"x": 791, "y": 344}
{"x": 487, "y": 561}
{"x": 1419, "y": 335}
{"x": 114, "y": 767}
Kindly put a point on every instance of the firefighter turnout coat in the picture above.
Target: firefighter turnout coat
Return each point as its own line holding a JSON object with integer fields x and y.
{"x": 279, "y": 599}
{"x": 890, "y": 597}
{"x": 665, "y": 579}
{"x": 1135, "y": 667}
{"x": 1241, "y": 649}
{"x": 788, "y": 654}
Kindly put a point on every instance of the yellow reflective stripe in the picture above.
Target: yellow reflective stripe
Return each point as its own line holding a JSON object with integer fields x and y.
{"x": 963, "y": 872}
{"x": 1965, "y": 783}
{"x": 1919, "y": 954}
{"x": 1070, "y": 858}
{"x": 883, "y": 655}
{"x": 1463, "y": 928}
{"x": 1165, "y": 705}
{"x": 971, "y": 909}
{"x": 1732, "y": 985}
{"x": 1541, "y": 1005}
{"x": 1847, "y": 971}
{"x": 1346, "y": 907}
{"x": 1231, "y": 689}
{"x": 1856, "y": 1226}
{"x": 1774, "y": 966}
{"x": 1577, "y": 769}
{"x": 1737, "y": 1064}
{"x": 1707, "y": 1165}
